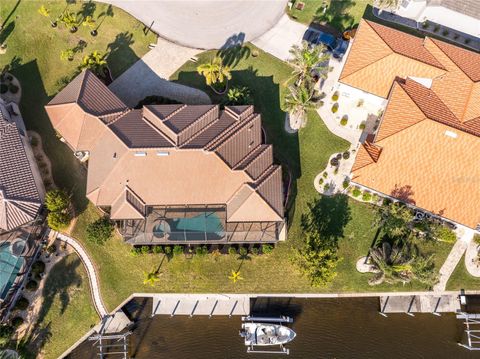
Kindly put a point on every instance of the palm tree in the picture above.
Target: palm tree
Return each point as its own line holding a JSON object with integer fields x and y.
{"x": 70, "y": 20}
{"x": 94, "y": 61}
{"x": 67, "y": 55}
{"x": 393, "y": 264}
{"x": 424, "y": 270}
{"x": 88, "y": 21}
{"x": 215, "y": 72}
{"x": 308, "y": 61}
{"x": 299, "y": 101}
{"x": 235, "y": 276}
{"x": 151, "y": 277}
{"x": 45, "y": 12}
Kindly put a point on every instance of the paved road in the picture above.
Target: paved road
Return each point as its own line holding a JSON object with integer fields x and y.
{"x": 149, "y": 76}
{"x": 206, "y": 24}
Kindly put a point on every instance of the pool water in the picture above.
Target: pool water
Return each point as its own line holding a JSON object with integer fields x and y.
{"x": 10, "y": 265}
{"x": 204, "y": 225}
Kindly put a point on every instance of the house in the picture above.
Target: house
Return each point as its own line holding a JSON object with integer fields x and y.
{"x": 173, "y": 173}
{"x": 21, "y": 186}
{"x": 425, "y": 151}
{"x": 461, "y": 15}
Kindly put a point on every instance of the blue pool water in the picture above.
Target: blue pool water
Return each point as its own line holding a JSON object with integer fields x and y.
{"x": 204, "y": 225}
{"x": 10, "y": 265}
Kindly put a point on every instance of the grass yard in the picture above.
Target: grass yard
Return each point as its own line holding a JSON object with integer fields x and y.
{"x": 461, "y": 279}
{"x": 67, "y": 312}
{"x": 340, "y": 14}
{"x": 33, "y": 52}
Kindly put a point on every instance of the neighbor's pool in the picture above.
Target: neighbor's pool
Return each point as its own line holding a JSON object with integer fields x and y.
{"x": 206, "y": 225}
{"x": 10, "y": 265}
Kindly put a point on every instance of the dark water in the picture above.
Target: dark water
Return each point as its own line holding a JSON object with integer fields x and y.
{"x": 326, "y": 328}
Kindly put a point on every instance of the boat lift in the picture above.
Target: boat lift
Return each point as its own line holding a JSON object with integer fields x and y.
{"x": 279, "y": 320}
{"x": 111, "y": 345}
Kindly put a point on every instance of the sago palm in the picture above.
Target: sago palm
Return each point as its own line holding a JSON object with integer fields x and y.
{"x": 67, "y": 55}
{"x": 151, "y": 277}
{"x": 89, "y": 22}
{"x": 214, "y": 71}
{"x": 45, "y": 12}
{"x": 393, "y": 264}
{"x": 70, "y": 20}
{"x": 308, "y": 60}
{"x": 300, "y": 100}
{"x": 94, "y": 61}
{"x": 235, "y": 276}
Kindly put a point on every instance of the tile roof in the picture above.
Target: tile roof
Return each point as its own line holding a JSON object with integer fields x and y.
{"x": 169, "y": 154}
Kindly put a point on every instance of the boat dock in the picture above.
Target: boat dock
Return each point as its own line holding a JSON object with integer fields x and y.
{"x": 200, "y": 304}
{"x": 423, "y": 303}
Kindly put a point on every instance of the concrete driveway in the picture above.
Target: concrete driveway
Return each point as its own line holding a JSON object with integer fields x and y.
{"x": 149, "y": 76}
{"x": 206, "y": 24}
{"x": 279, "y": 39}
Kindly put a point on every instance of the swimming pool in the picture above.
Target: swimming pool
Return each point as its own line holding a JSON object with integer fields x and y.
{"x": 10, "y": 265}
{"x": 206, "y": 225}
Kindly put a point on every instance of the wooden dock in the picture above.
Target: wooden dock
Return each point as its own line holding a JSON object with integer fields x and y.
{"x": 424, "y": 303}
{"x": 200, "y": 304}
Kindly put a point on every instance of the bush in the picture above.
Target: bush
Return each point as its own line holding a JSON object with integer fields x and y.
{"x": 267, "y": 248}
{"x": 254, "y": 251}
{"x": 346, "y": 155}
{"x": 326, "y": 187}
{"x": 335, "y": 172}
{"x": 345, "y": 184}
{"x": 335, "y": 96}
{"x": 362, "y": 126}
{"x": 232, "y": 251}
{"x": 335, "y": 107}
{"x": 38, "y": 267}
{"x": 17, "y": 321}
{"x": 52, "y": 249}
{"x": 3, "y": 88}
{"x": 157, "y": 249}
{"x": 22, "y": 304}
{"x": 467, "y": 41}
{"x": 360, "y": 102}
{"x": 436, "y": 28}
{"x": 6, "y": 332}
{"x": 334, "y": 162}
{"x": 177, "y": 250}
{"x": 325, "y": 174}
{"x": 32, "y": 285}
{"x": 100, "y": 231}
{"x": 201, "y": 251}
{"x": 238, "y": 96}
{"x": 424, "y": 25}
{"x": 445, "y": 32}
{"x": 356, "y": 192}
{"x": 320, "y": 180}
{"x": 344, "y": 120}
{"x": 243, "y": 251}
{"x": 476, "y": 238}
{"x": 135, "y": 251}
{"x": 57, "y": 200}
{"x": 367, "y": 196}
{"x": 145, "y": 249}
{"x": 58, "y": 220}
{"x": 445, "y": 234}
{"x": 168, "y": 250}
{"x": 13, "y": 88}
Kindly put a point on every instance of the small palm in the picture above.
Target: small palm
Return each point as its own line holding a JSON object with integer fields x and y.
{"x": 235, "y": 276}
{"x": 151, "y": 277}
{"x": 307, "y": 60}
{"x": 214, "y": 71}
{"x": 44, "y": 11}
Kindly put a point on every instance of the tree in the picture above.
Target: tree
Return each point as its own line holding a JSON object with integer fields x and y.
{"x": 57, "y": 200}
{"x": 235, "y": 276}
{"x": 6, "y": 332}
{"x": 100, "y": 231}
{"x": 239, "y": 95}
{"x": 94, "y": 61}
{"x": 394, "y": 219}
{"x": 58, "y": 220}
{"x": 45, "y": 12}
{"x": 319, "y": 265}
{"x": 299, "y": 101}
{"x": 309, "y": 61}
{"x": 151, "y": 277}
{"x": 393, "y": 264}
{"x": 89, "y": 22}
{"x": 67, "y": 55}
{"x": 423, "y": 269}
{"x": 70, "y": 20}
{"x": 214, "y": 71}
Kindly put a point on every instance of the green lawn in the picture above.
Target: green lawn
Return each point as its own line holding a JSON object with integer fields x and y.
{"x": 340, "y": 14}
{"x": 67, "y": 312}
{"x": 461, "y": 279}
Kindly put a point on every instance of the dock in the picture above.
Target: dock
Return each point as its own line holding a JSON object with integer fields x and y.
{"x": 201, "y": 304}
{"x": 424, "y": 303}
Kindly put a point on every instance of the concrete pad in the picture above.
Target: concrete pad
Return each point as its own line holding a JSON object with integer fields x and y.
{"x": 420, "y": 304}
{"x": 206, "y": 24}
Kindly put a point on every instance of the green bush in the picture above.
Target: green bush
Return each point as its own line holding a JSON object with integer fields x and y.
{"x": 13, "y": 88}
{"x": 3, "y": 88}
{"x": 177, "y": 250}
{"x": 157, "y": 249}
{"x": 168, "y": 250}
{"x": 367, "y": 196}
{"x": 445, "y": 234}
{"x": 254, "y": 251}
{"x": 344, "y": 121}
{"x": 22, "y": 304}
{"x": 57, "y": 200}
{"x": 232, "y": 251}
{"x": 135, "y": 251}
{"x": 346, "y": 155}
{"x": 201, "y": 251}
{"x": 362, "y": 126}
{"x": 52, "y": 248}
{"x": 243, "y": 251}
{"x": 38, "y": 267}
{"x": 267, "y": 248}
{"x": 356, "y": 192}
{"x": 325, "y": 174}
{"x": 345, "y": 184}
{"x": 334, "y": 161}
{"x": 476, "y": 238}
{"x": 58, "y": 220}
{"x": 335, "y": 107}
{"x": 335, "y": 96}
{"x": 32, "y": 285}
{"x": 320, "y": 181}
{"x": 436, "y": 28}
{"x": 326, "y": 187}
{"x": 17, "y": 321}
{"x": 100, "y": 231}
{"x": 238, "y": 96}
{"x": 6, "y": 332}
{"x": 145, "y": 249}
{"x": 445, "y": 32}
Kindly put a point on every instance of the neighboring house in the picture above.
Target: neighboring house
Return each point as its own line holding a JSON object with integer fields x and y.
{"x": 173, "y": 173}
{"x": 21, "y": 186}
{"x": 426, "y": 148}
{"x": 461, "y": 15}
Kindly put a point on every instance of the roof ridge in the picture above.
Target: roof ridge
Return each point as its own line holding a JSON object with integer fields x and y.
{"x": 373, "y": 150}
{"x": 370, "y": 64}
{"x": 269, "y": 171}
{"x": 212, "y": 145}
{"x": 202, "y": 131}
{"x": 123, "y": 114}
{"x": 180, "y": 108}
{"x": 246, "y": 160}
{"x": 214, "y": 107}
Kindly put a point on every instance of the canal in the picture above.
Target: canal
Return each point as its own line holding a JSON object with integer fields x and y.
{"x": 326, "y": 328}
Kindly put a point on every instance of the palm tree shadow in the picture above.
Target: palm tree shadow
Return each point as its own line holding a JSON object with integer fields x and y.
{"x": 337, "y": 15}
{"x": 10, "y": 15}
{"x": 5, "y": 32}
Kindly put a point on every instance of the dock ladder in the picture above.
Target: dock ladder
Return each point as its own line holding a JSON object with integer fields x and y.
{"x": 472, "y": 329}
{"x": 111, "y": 345}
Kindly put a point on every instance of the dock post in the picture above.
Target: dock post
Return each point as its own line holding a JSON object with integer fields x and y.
{"x": 233, "y": 308}
{"x": 156, "y": 308}
{"x": 436, "y": 307}
{"x": 175, "y": 309}
{"x": 382, "y": 310}
{"x": 194, "y": 307}
{"x": 410, "y": 307}
{"x": 213, "y": 309}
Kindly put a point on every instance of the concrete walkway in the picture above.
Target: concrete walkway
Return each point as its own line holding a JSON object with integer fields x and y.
{"x": 471, "y": 259}
{"x": 279, "y": 39}
{"x": 149, "y": 76}
{"x": 206, "y": 24}
{"x": 465, "y": 236}
{"x": 92, "y": 275}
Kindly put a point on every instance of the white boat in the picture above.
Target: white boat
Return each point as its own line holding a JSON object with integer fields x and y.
{"x": 264, "y": 334}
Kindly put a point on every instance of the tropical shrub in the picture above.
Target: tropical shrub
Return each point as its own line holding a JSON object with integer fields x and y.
{"x": 201, "y": 251}
{"x": 476, "y": 238}
{"x": 51, "y": 248}
{"x": 232, "y": 251}
{"x": 356, "y": 192}
{"x": 58, "y": 220}
{"x": 6, "y": 332}
{"x": 335, "y": 96}
{"x": 168, "y": 250}
{"x": 445, "y": 234}
{"x": 16, "y": 322}
{"x": 214, "y": 71}
{"x": 100, "y": 231}
{"x": 38, "y": 267}
{"x": 95, "y": 62}
{"x": 157, "y": 249}
{"x": 177, "y": 250}
{"x": 345, "y": 184}
{"x": 67, "y": 55}
{"x": 254, "y": 251}
{"x": 239, "y": 95}
{"x": 394, "y": 218}
{"x": 243, "y": 251}
{"x": 135, "y": 251}
{"x": 334, "y": 161}
{"x": 22, "y": 303}
{"x": 325, "y": 174}
{"x": 335, "y": 107}
{"x": 57, "y": 200}
{"x": 321, "y": 180}
{"x": 362, "y": 126}
{"x": 326, "y": 187}
{"x": 267, "y": 248}
{"x": 346, "y": 155}
{"x": 367, "y": 197}
{"x": 145, "y": 249}
{"x": 344, "y": 120}
{"x": 32, "y": 285}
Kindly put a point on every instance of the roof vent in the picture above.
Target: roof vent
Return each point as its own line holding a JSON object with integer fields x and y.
{"x": 140, "y": 154}
{"x": 451, "y": 134}
{"x": 163, "y": 153}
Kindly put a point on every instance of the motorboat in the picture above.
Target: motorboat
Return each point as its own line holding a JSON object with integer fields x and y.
{"x": 263, "y": 334}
